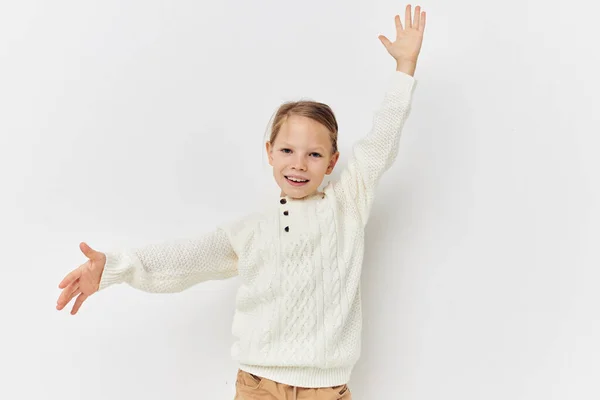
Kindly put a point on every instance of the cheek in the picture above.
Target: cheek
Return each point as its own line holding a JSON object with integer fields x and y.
{"x": 325, "y": 164}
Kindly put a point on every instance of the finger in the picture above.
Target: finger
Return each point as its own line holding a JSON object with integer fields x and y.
{"x": 87, "y": 250}
{"x": 407, "y": 18}
{"x": 67, "y": 295}
{"x": 422, "y": 24}
{"x": 78, "y": 303}
{"x": 73, "y": 295}
{"x": 386, "y": 42}
{"x": 399, "y": 27}
{"x": 70, "y": 278}
{"x": 417, "y": 17}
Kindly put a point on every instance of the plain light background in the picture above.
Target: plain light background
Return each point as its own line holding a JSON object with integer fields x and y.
{"x": 129, "y": 122}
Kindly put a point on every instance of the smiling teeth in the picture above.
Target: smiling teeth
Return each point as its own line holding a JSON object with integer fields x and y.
{"x": 296, "y": 180}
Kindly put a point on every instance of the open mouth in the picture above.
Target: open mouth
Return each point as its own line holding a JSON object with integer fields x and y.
{"x": 293, "y": 183}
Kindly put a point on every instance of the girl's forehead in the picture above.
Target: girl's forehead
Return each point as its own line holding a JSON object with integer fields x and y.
{"x": 318, "y": 141}
{"x": 300, "y": 120}
{"x": 303, "y": 128}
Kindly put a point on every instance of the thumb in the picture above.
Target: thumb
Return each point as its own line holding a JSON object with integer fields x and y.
{"x": 386, "y": 42}
{"x": 87, "y": 250}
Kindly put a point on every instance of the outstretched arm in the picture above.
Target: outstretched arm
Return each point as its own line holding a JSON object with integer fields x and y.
{"x": 172, "y": 266}
{"x": 168, "y": 267}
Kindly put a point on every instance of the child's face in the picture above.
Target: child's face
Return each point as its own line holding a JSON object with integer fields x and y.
{"x": 302, "y": 148}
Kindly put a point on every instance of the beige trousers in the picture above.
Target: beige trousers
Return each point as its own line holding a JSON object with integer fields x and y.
{"x": 252, "y": 387}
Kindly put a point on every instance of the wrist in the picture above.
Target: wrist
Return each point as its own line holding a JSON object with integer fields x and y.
{"x": 406, "y": 66}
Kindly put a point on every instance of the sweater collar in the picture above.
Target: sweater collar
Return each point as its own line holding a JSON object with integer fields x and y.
{"x": 318, "y": 194}
{"x": 287, "y": 199}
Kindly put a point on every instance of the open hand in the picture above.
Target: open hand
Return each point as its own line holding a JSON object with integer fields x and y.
{"x": 409, "y": 38}
{"x": 82, "y": 281}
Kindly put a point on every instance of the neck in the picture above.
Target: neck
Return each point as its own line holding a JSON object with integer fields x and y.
{"x": 283, "y": 194}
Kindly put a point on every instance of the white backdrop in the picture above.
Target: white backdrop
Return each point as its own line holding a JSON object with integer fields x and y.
{"x": 129, "y": 122}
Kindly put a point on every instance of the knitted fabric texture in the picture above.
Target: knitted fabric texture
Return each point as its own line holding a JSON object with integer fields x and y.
{"x": 298, "y": 314}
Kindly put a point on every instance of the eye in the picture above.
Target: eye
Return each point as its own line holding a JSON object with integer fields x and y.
{"x": 285, "y": 151}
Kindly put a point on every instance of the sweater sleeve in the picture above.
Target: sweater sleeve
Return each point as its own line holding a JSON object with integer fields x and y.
{"x": 375, "y": 153}
{"x": 172, "y": 266}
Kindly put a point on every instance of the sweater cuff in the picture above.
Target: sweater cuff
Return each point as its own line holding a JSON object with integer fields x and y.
{"x": 403, "y": 82}
{"x": 116, "y": 270}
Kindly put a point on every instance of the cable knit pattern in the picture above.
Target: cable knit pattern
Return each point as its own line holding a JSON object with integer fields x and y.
{"x": 298, "y": 308}
{"x": 331, "y": 273}
{"x": 298, "y": 317}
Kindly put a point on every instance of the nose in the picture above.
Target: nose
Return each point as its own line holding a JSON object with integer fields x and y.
{"x": 299, "y": 163}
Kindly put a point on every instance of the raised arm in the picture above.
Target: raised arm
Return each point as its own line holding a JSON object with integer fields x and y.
{"x": 374, "y": 154}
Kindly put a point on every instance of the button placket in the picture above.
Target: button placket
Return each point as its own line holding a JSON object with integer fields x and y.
{"x": 284, "y": 201}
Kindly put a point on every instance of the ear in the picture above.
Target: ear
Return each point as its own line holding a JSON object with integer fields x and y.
{"x": 269, "y": 151}
{"x": 334, "y": 160}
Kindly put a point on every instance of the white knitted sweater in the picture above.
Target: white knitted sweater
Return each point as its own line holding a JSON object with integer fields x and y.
{"x": 298, "y": 310}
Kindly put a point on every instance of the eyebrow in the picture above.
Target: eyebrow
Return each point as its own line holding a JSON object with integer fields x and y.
{"x": 285, "y": 144}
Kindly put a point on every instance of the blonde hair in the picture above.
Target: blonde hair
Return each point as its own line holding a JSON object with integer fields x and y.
{"x": 314, "y": 110}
